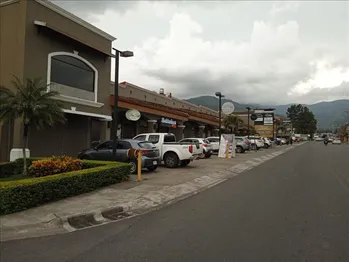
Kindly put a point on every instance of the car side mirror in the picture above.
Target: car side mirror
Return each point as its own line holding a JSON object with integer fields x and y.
{"x": 95, "y": 148}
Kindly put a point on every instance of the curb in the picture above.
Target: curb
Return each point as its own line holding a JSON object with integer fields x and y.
{"x": 92, "y": 219}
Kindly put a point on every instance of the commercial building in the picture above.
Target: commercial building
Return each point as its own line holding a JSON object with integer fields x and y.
{"x": 41, "y": 40}
{"x": 161, "y": 112}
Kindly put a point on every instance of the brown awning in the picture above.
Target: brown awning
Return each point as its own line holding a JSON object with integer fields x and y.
{"x": 148, "y": 107}
{"x": 162, "y": 110}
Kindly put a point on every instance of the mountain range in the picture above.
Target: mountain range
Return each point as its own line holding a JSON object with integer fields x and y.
{"x": 328, "y": 114}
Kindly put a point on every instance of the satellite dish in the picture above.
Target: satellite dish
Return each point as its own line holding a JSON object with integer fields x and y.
{"x": 228, "y": 108}
{"x": 254, "y": 117}
{"x": 133, "y": 115}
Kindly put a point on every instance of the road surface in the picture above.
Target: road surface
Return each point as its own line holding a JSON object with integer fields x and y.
{"x": 292, "y": 208}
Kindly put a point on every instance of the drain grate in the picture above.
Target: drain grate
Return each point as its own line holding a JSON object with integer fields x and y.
{"x": 115, "y": 214}
{"x": 83, "y": 221}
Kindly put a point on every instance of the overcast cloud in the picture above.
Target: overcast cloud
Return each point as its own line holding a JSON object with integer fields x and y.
{"x": 257, "y": 52}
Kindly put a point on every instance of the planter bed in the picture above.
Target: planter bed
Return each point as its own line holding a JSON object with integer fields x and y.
{"x": 19, "y": 193}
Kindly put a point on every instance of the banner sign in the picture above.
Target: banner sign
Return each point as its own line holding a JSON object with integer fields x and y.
{"x": 227, "y": 146}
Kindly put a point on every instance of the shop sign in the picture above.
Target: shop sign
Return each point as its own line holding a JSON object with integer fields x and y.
{"x": 168, "y": 121}
{"x": 133, "y": 115}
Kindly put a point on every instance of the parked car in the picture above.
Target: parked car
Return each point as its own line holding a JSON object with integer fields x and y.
{"x": 256, "y": 142}
{"x": 204, "y": 144}
{"x": 242, "y": 144}
{"x": 104, "y": 152}
{"x": 214, "y": 141}
{"x": 336, "y": 141}
{"x": 172, "y": 153}
{"x": 267, "y": 142}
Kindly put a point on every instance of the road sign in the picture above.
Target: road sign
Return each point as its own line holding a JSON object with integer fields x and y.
{"x": 228, "y": 108}
{"x": 253, "y": 117}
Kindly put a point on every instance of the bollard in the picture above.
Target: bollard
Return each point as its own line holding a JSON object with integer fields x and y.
{"x": 227, "y": 151}
{"x": 139, "y": 165}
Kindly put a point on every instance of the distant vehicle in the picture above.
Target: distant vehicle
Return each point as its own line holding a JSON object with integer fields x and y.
{"x": 319, "y": 139}
{"x": 171, "y": 152}
{"x": 104, "y": 152}
{"x": 336, "y": 141}
{"x": 205, "y": 145}
{"x": 256, "y": 142}
{"x": 267, "y": 142}
{"x": 214, "y": 141}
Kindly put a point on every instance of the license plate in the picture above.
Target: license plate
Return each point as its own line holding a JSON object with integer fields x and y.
{"x": 155, "y": 163}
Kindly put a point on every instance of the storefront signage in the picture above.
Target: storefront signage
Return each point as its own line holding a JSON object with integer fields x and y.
{"x": 133, "y": 115}
{"x": 168, "y": 121}
{"x": 264, "y": 117}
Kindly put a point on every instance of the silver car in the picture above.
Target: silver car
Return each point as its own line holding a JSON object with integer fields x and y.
{"x": 242, "y": 144}
{"x": 214, "y": 141}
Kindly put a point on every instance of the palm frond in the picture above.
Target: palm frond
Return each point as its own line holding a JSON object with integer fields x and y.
{"x": 33, "y": 103}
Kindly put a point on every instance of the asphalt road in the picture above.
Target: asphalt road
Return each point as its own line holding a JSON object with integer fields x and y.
{"x": 292, "y": 208}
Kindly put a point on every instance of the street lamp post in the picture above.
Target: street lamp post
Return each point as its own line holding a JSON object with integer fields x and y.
{"x": 114, "y": 127}
{"x": 219, "y": 95}
{"x": 248, "y": 121}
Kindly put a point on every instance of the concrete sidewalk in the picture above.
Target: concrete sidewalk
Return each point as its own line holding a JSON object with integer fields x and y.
{"x": 131, "y": 198}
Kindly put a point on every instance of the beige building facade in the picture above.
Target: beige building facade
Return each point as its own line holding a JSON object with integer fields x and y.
{"x": 41, "y": 40}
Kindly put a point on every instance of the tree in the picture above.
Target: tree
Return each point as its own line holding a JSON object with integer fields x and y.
{"x": 302, "y": 119}
{"x": 232, "y": 121}
{"x": 33, "y": 104}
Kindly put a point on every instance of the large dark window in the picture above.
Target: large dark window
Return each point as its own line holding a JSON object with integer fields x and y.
{"x": 71, "y": 71}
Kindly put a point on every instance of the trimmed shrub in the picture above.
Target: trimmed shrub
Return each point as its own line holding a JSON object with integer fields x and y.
{"x": 54, "y": 165}
{"x": 22, "y": 194}
{"x": 7, "y": 169}
{"x": 19, "y": 164}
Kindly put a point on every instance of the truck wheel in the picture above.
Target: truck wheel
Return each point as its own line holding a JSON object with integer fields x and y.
{"x": 171, "y": 160}
{"x": 208, "y": 155}
{"x": 185, "y": 162}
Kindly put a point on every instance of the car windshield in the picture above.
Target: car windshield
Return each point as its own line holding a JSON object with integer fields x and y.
{"x": 146, "y": 145}
{"x": 206, "y": 141}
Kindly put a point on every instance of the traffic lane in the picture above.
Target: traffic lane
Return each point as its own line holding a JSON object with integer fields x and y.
{"x": 290, "y": 209}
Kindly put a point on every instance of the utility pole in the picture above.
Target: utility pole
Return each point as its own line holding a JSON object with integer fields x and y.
{"x": 248, "y": 121}
{"x": 114, "y": 127}
{"x": 219, "y": 95}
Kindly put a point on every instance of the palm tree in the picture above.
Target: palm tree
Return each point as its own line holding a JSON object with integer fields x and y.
{"x": 33, "y": 104}
{"x": 232, "y": 121}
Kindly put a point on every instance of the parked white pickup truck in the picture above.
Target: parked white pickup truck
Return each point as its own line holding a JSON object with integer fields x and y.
{"x": 171, "y": 152}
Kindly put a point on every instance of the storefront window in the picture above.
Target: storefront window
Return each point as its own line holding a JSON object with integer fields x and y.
{"x": 71, "y": 71}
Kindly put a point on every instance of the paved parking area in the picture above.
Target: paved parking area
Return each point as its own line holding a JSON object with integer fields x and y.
{"x": 197, "y": 168}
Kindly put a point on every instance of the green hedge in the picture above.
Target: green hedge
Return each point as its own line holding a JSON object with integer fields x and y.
{"x": 7, "y": 169}
{"x": 14, "y": 168}
{"x": 22, "y": 194}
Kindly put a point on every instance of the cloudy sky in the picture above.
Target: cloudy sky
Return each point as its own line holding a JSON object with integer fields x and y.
{"x": 257, "y": 52}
